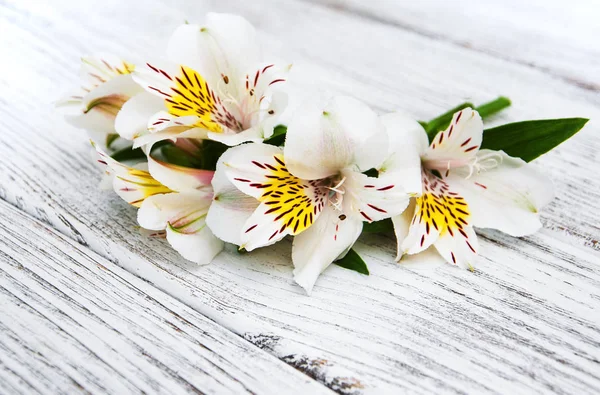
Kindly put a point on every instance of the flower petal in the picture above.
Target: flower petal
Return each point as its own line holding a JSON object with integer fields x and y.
{"x": 110, "y": 96}
{"x": 183, "y": 215}
{"x": 404, "y": 131}
{"x": 322, "y": 140}
{"x": 263, "y": 95}
{"x": 244, "y": 166}
{"x": 230, "y": 208}
{"x": 96, "y": 110}
{"x": 458, "y": 248}
{"x": 236, "y": 37}
{"x": 428, "y": 259}
{"x": 180, "y": 178}
{"x": 97, "y": 124}
{"x": 401, "y": 224}
{"x": 289, "y": 205}
{"x": 200, "y": 247}
{"x": 226, "y": 45}
{"x": 317, "y": 247}
{"x": 187, "y": 94}
{"x": 421, "y": 233}
{"x": 162, "y": 120}
{"x": 408, "y": 140}
{"x": 231, "y": 139}
{"x": 132, "y": 121}
{"x": 178, "y": 209}
{"x": 272, "y": 112}
{"x": 372, "y": 199}
{"x": 98, "y": 69}
{"x": 507, "y": 197}
{"x": 131, "y": 184}
{"x": 172, "y": 133}
{"x": 456, "y": 145}
{"x": 438, "y": 211}
{"x": 266, "y": 78}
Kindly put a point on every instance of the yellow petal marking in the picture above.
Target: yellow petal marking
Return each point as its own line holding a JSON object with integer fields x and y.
{"x": 293, "y": 202}
{"x": 142, "y": 182}
{"x": 126, "y": 68}
{"x": 134, "y": 185}
{"x": 441, "y": 209}
{"x": 193, "y": 97}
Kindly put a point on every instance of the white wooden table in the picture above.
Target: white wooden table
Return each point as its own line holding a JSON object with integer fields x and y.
{"x": 89, "y": 305}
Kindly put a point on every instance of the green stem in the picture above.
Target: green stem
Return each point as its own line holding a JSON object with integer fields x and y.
{"x": 488, "y": 109}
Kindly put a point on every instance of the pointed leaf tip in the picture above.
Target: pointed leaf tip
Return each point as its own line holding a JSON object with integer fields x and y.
{"x": 530, "y": 139}
{"x": 353, "y": 261}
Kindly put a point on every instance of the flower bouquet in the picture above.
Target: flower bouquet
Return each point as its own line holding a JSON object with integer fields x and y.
{"x": 205, "y": 145}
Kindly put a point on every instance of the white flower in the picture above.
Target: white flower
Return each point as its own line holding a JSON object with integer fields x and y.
{"x": 465, "y": 186}
{"x": 215, "y": 85}
{"x": 171, "y": 198}
{"x": 106, "y": 84}
{"x": 312, "y": 189}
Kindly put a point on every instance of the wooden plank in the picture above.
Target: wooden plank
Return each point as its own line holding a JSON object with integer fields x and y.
{"x": 71, "y": 321}
{"x": 544, "y": 35}
{"x": 523, "y": 322}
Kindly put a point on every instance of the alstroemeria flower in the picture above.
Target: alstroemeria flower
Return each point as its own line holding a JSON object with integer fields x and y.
{"x": 106, "y": 84}
{"x": 313, "y": 189}
{"x": 171, "y": 198}
{"x": 465, "y": 186}
{"x": 215, "y": 85}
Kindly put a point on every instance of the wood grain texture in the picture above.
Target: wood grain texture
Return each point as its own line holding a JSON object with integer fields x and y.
{"x": 71, "y": 321}
{"x": 545, "y": 35}
{"x": 526, "y": 321}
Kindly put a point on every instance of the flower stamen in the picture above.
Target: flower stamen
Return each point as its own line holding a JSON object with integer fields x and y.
{"x": 338, "y": 194}
{"x": 484, "y": 163}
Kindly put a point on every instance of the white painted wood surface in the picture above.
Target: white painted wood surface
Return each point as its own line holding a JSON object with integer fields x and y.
{"x": 72, "y": 321}
{"x": 553, "y": 37}
{"x": 526, "y": 321}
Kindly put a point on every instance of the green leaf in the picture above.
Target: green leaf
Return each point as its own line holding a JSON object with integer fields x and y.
{"x": 353, "y": 261}
{"x": 210, "y": 152}
{"x": 128, "y": 154}
{"x": 278, "y": 137}
{"x": 204, "y": 157}
{"x": 530, "y": 139}
{"x": 382, "y": 226}
{"x": 176, "y": 156}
